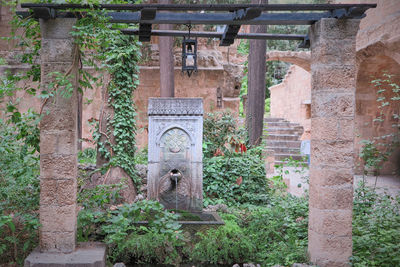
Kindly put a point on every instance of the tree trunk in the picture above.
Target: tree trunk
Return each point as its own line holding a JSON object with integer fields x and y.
{"x": 166, "y": 48}
{"x": 115, "y": 174}
{"x": 256, "y": 83}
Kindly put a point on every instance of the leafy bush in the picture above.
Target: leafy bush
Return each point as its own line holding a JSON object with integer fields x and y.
{"x": 87, "y": 156}
{"x": 217, "y": 129}
{"x": 227, "y": 244}
{"x": 19, "y": 191}
{"x": 279, "y": 230}
{"x": 376, "y": 228}
{"x": 102, "y": 219}
{"x": 237, "y": 178}
{"x": 275, "y": 234}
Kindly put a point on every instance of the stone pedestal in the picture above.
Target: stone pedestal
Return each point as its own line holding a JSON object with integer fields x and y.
{"x": 85, "y": 255}
{"x": 175, "y": 147}
{"x": 58, "y": 156}
{"x": 333, "y": 84}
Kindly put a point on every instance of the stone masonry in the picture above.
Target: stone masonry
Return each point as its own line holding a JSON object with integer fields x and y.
{"x": 58, "y": 158}
{"x": 333, "y": 69}
{"x": 58, "y": 142}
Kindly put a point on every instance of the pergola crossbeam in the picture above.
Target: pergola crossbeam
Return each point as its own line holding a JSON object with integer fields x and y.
{"x": 203, "y": 7}
{"x": 231, "y": 15}
{"x": 205, "y": 18}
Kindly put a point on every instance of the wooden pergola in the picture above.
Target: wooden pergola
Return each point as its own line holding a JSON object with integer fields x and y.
{"x": 232, "y": 16}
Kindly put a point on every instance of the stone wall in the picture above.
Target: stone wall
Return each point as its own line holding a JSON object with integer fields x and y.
{"x": 291, "y": 99}
{"x": 377, "y": 50}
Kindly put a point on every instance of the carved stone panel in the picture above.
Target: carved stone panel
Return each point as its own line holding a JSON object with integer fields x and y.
{"x": 175, "y": 150}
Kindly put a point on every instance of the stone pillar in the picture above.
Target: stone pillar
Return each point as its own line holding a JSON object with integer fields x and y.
{"x": 58, "y": 141}
{"x": 333, "y": 71}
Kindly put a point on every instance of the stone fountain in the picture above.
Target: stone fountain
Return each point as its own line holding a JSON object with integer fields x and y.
{"x": 175, "y": 165}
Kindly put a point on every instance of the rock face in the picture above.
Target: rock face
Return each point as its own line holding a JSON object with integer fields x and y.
{"x": 175, "y": 170}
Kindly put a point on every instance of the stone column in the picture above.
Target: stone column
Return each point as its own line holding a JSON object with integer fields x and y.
{"x": 333, "y": 72}
{"x": 58, "y": 141}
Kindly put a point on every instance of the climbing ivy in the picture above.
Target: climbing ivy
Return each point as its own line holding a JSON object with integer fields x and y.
{"x": 114, "y": 57}
{"x": 111, "y": 52}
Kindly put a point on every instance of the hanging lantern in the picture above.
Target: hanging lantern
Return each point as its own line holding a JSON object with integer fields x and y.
{"x": 189, "y": 55}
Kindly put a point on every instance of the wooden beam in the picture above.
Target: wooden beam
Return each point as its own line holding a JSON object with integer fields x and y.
{"x": 266, "y": 36}
{"x": 209, "y": 18}
{"x": 205, "y": 7}
{"x": 145, "y": 28}
{"x": 231, "y": 31}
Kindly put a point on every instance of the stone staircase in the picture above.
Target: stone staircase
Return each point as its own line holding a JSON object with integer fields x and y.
{"x": 281, "y": 140}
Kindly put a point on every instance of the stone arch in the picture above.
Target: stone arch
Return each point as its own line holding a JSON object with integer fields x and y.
{"x": 301, "y": 59}
{"x": 371, "y": 65}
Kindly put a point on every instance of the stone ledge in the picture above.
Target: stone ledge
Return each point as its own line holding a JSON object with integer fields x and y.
{"x": 175, "y": 106}
{"x": 86, "y": 255}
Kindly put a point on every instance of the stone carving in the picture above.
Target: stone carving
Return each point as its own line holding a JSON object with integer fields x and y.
{"x": 176, "y": 106}
{"x": 175, "y": 149}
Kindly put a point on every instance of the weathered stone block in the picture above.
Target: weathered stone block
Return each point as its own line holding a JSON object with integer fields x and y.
{"x": 332, "y": 105}
{"x": 59, "y": 119}
{"x": 334, "y": 52}
{"x": 63, "y": 242}
{"x": 57, "y": 28}
{"x": 325, "y": 128}
{"x": 333, "y": 29}
{"x": 58, "y": 166}
{"x": 61, "y": 142}
{"x": 329, "y": 248}
{"x": 332, "y": 77}
{"x": 331, "y": 197}
{"x": 331, "y": 176}
{"x": 58, "y": 50}
{"x": 58, "y": 218}
{"x": 339, "y": 154}
{"x": 85, "y": 255}
{"x": 331, "y": 222}
{"x": 346, "y": 129}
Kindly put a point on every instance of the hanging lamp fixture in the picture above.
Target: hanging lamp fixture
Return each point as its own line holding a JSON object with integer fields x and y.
{"x": 189, "y": 54}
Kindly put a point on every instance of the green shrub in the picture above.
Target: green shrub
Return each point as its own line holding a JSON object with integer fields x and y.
{"x": 236, "y": 178}
{"x": 227, "y": 244}
{"x": 101, "y": 219}
{"x": 279, "y": 230}
{"x": 376, "y": 228}
{"x": 155, "y": 242}
{"x": 19, "y": 191}
{"x": 86, "y": 156}
{"x": 217, "y": 128}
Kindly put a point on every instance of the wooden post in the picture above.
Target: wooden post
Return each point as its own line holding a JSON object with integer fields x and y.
{"x": 256, "y": 83}
{"x": 166, "y": 48}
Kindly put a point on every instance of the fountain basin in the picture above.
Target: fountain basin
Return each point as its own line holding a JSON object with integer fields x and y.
{"x": 205, "y": 221}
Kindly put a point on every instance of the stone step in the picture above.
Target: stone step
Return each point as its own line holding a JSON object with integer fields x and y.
{"x": 292, "y": 137}
{"x": 283, "y": 156}
{"x": 281, "y": 124}
{"x": 282, "y": 130}
{"x": 282, "y": 143}
{"x": 270, "y": 119}
{"x": 278, "y": 162}
{"x": 285, "y": 149}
